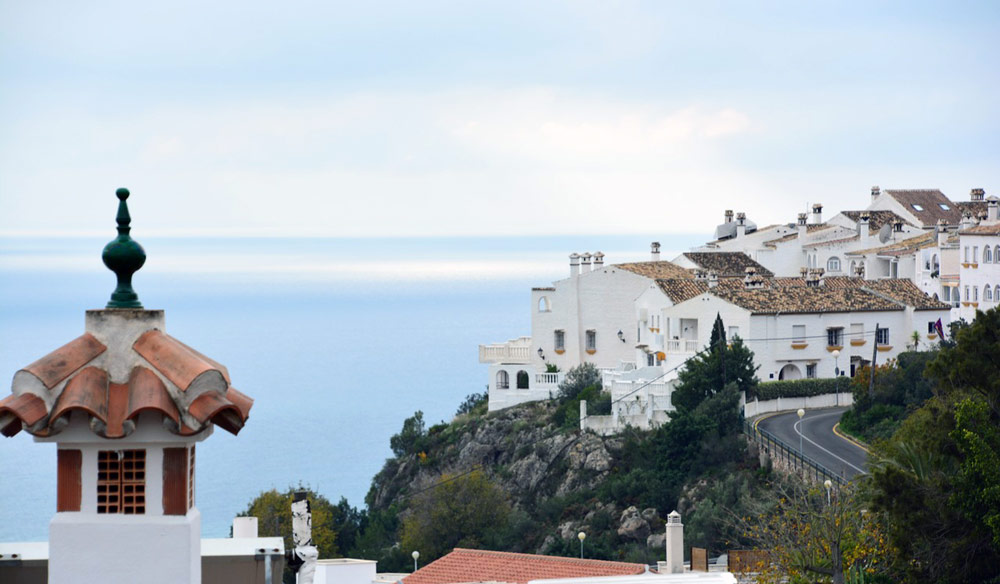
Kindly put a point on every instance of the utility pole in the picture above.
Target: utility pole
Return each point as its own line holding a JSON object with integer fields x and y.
{"x": 871, "y": 378}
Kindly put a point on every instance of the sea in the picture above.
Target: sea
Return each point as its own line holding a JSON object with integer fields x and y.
{"x": 337, "y": 340}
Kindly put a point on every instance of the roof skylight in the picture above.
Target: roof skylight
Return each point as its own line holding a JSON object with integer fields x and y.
{"x": 943, "y": 206}
{"x": 917, "y": 207}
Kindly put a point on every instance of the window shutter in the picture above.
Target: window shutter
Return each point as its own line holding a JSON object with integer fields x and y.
{"x": 175, "y": 478}
{"x": 69, "y": 492}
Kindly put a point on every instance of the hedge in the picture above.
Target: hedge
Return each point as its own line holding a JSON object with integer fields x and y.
{"x": 801, "y": 388}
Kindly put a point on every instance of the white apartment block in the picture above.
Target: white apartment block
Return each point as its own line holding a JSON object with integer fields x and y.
{"x": 899, "y": 263}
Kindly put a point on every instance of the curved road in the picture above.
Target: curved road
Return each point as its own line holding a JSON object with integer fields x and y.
{"x": 818, "y": 440}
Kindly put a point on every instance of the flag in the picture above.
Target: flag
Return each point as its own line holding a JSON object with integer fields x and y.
{"x": 939, "y": 328}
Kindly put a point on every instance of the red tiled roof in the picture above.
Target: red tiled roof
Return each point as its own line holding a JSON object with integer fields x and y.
{"x": 659, "y": 269}
{"x": 929, "y": 205}
{"x": 988, "y": 229}
{"x": 726, "y": 264}
{"x": 465, "y": 565}
{"x": 73, "y": 378}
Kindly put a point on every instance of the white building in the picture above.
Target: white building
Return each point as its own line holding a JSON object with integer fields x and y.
{"x": 979, "y": 274}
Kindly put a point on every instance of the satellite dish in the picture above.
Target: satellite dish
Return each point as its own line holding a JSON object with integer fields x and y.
{"x": 885, "y": 233}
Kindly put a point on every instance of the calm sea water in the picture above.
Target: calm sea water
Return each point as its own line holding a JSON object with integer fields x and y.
{"x": 337, "y": 340}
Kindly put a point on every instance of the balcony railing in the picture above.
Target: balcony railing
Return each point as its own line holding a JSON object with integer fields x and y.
{"x": 548, "y": 378}
{"x": 516, "y": 351}
{"x": 682, "y": 346}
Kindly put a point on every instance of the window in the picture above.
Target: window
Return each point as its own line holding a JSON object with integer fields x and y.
{"x": 996, "y": 254}
{"x": 811, "y": 370}
{"x": 799, "y": 334}
{"x": 975, "y": 253}
{"x": 882, "y": 336}
{"x": 988, "y": 293}
{"x": 543, "y": 304}
{"x": 522, "y": 379}
{"x": 833, "y": 264}
{"x": 966, "y": 293}
{"x": 917, "y": 207}
{"x": 934, "y": 263}
{"x": 503, "y": 380}
{"x": 835, "y": 337}
{"x": 944, "y": 207}
{"x": 734, "y": 331}
{"x": 975, "y": 294}
{"x": 591, "y": 340}
{"x": 987, "y": 255}
{"x": 931, "y": 329}
{"x": 996, "y": 293}
{"x": 560, "y": 340}
{"x": 121, "y": 482}
{"x": 966, "y": 252}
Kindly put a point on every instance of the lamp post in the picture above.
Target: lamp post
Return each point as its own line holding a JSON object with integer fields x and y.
{"x": 581, "y": 536}
{"x": 415, "y": 555}
{"x": 801, "y": 413}
{"x": 621, "y": 336}
{"x": 541, "y": 354}
{"x": 828, "y": 484}
{"x": 836, "y": 373}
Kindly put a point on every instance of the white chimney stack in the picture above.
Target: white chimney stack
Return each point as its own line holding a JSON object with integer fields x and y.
{"x": 675, "y": 544}
{"x": 875, "y": 192}
{"x": 977, "y": 194}
{"x": 598, "y": 260}
{"x": 741, "y": 224}
{"x": 654, "y": 251}
{"x": 729, "y": 215}
{"x": 942, "y": 233}
{"x": 864, "y": 224}
{"x": 585, "y": 262}
{"x": 574, "y": 265}
{"x": 244, "y": 527}
{"x": 992, "y": 211}
{"x": 817, "y": 217}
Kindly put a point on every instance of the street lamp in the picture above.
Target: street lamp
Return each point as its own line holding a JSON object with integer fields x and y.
{"x": 836, "y": 373}
{"x": 621, "y": 336}
{"x": 828, "y": 484}
{"x": 581, "y": 536}
{"x": 801, "y": 413}
{"x": 415, "y": 555}
{"x": 541, "y": 354}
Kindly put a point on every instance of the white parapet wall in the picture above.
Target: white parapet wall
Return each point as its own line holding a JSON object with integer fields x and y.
{"x": 790, "y": 404}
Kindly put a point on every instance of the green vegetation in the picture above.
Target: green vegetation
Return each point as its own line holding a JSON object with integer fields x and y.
{"x": 900, "y": 388}
{"x": 716, "y": 367}
{"x": 800, "y": 388}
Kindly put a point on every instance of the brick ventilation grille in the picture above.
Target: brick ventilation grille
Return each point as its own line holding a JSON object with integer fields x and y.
{"x": 121, "y": 481}
{"x": 191, "y": 479}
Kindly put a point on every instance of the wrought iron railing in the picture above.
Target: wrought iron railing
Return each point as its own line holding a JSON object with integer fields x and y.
{"x": 797, "y": 462}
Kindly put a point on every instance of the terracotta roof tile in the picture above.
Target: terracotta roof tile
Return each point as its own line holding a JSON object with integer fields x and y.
{"x": 902, "y": 247}
{"x": 147, "y": 392}
{"x": 974, "y": 208}
{"x": 660, "y": 269}
{"x": 87, "y": 391}
{"x": 213, "y": 407}
{"x": 805, "y": 299}
{"x": 681, "y": 289}
{"x": 726, "y": 264}
{"x": 180, "y": 364}
{"x": 905, "y": 291}
{"x": 782, "y": 239}
{"x": 61, "y": 363}
{"x": 20, "y": 409}
{"x": 465, "y": 565}
{"x": 837, "y": 241}
{"x": 876, "y": 218}
{"x": 932, "y": 203}
{"x": 991, "y": 229}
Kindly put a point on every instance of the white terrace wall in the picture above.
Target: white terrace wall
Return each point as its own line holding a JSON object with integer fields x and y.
{"x": 791, "y": 404}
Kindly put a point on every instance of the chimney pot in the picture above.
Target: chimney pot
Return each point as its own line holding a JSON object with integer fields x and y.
{"x": 574, "y": 264}
{"x": 598, "y": 260}
{"x": 654, "y": 251}
{"x": 803, "y": 217}
{"x": 977, "y": 194}
{"x": 675, "y": 544}
{"x": 875, "y": 192}
{"x": 729, "y": 215}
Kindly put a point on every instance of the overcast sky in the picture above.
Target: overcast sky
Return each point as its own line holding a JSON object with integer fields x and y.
{"x": 459, "y": 118}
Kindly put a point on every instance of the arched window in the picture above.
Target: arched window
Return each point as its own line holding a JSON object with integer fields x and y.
{"x": 543, "y": 304}
{"x": 996, "y": 254}
{"x": 996, "y": 293}
{"x": 987, "y": 255}
{"x": 935, "y": 266}
{"x": 975, "y": 294}
{"x": 988, "y": 293}
{"x": 522, "y": 379}
{"x": 833, "y": 264}
{"x": 503, "y": 380}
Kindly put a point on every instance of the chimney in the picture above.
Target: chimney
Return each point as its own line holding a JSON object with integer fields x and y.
{"x": 967, "y": 220}
{"x": 875, "y": 192}
{"x": 598, "y": 260}
{"x": 859, "y": 270}
{"x": 803, "y": 229}
{"x": 654, "y": 251}
{"x": 244, "y": 527}
{"x": 977, "y": 194}
{"x": 675, "y": 544}
{"x": 713, "y": 279}
{"x": 741, "y": 224}
{"x": 802, "y": 218}
{"x": 729, "y": 215}
{"x": 803, "y": 271}
{"x": 752, "y": 280}
{"x": 992, "y": 210}
{"x": 942, "y": 233}
{"x": 817, "y": 217}
{"x": 897, "y": 226}
{"x": 699, "y": 274}
{"x": 585, "y": 262}
{"x": 813, "y": 278}
{"x": 864, "y": 224}
{"x": 574, "y": 265}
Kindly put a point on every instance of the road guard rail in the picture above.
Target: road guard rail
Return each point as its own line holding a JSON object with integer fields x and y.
{"x": 784, "y": 454}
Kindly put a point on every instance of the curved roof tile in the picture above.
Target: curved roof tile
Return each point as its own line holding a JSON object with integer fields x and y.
{"x": 177, "y": 362}
{"x": 16, "y": 410}
{"x": 61, "y": 363}
{"x": 87, "y": 391}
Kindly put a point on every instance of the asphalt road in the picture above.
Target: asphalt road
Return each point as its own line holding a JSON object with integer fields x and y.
{"x": 818, "y": 440}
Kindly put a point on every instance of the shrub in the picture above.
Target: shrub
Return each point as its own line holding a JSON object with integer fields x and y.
{"x": 578, "y": 379}
{"x": 800, "y": 388}
{"x": 474, "y": 403}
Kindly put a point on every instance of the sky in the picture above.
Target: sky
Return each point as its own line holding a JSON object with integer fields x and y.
{"x": 378, "y": 119}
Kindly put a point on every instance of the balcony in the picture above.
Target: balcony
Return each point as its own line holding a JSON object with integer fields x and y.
{"x": 681, "y": 346}
{"x": 513, "y": 351}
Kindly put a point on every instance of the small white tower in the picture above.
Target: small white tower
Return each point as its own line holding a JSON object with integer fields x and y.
{"x": 125, "y": 404}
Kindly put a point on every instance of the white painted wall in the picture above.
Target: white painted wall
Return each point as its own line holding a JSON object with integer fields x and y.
{"x": 977, "y": 275}
{"x": 345, "y": 571}
{"x": 791, "y": 404}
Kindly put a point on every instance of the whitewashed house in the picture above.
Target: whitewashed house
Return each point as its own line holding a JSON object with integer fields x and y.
{"x": 979, "y": 272}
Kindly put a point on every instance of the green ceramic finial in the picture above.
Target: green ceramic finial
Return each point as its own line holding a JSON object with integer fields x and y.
{"x": 123, "y": 256}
